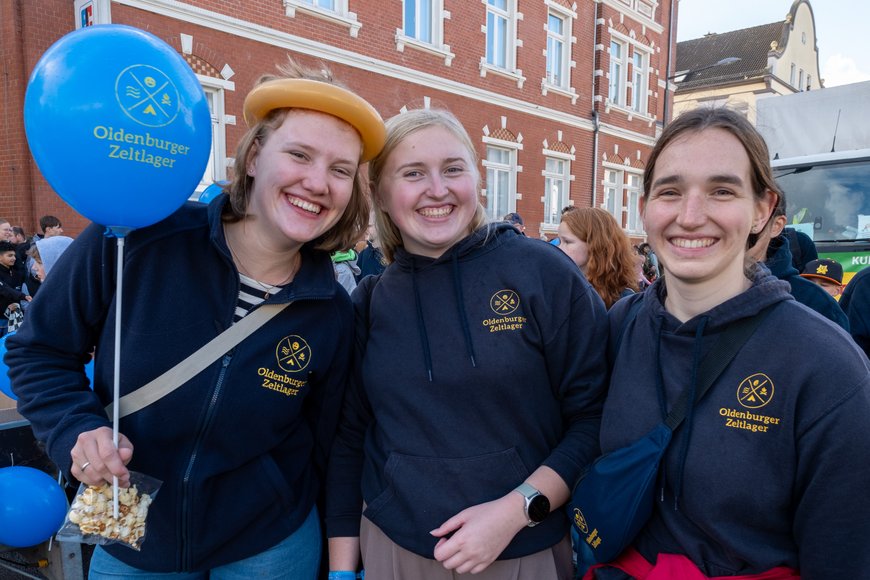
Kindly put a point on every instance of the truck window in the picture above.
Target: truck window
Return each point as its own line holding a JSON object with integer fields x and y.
{"x": 832, "y": 199}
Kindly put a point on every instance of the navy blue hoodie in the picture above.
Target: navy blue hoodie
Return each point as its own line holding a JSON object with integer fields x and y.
{"x": 808, "y": 293}
{"x": 240, "y": 447}
{"x": 856, "y": 304}
{"x": 770, "y": 469}
{"x": 479, "y": 367}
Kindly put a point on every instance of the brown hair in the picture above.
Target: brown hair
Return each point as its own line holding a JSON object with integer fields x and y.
{"x": 398, "y": 129}
{"x": 611, "y": 267}
{"x": 702, "y": 118}
{"x": 353, "y": 221}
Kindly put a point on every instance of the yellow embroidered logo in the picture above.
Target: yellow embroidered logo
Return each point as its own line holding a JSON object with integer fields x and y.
{"x": 580, "y": 521}
{"x": 822, "y": 269}
{"x": 504, "y": 302}
{"x": 293, "y": 353}
{"x": 755, "y": 391}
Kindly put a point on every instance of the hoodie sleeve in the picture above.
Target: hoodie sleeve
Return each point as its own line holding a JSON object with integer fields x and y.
{"x": 46, "y": 357}
{"x": 831, "y": 527}
{"x": 577, "y": 368}
{"x": 344, "y": 498}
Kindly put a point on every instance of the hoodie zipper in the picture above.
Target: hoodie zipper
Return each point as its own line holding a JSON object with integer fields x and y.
{"x": 186, "y": 515}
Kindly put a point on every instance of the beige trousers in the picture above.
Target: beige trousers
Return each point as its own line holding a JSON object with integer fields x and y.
{"x": 385, "y": 560}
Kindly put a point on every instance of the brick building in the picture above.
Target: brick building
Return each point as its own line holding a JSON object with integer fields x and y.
{"x": 563, "y": 98}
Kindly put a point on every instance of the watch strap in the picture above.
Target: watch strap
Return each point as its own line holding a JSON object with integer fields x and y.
{"x": 527, "y": 490}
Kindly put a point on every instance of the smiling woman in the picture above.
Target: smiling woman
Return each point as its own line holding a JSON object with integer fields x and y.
{"x": 263, "y": 415}
{"x": 784, "y": 416}
{"x": 479, "y": 380}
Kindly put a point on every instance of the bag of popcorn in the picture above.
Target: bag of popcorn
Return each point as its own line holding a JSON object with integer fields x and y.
{"x": 91, "y": 520}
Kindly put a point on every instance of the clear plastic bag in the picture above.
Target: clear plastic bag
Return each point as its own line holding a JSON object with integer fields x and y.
{"x": 90, "y": 519}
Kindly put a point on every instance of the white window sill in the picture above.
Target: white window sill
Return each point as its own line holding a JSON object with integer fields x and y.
{"x": 569, "y": 92}
{"x": 348, "y": 20}
{"x": 516, "y": 75}
{"x": 630, "y": 113}
{"x": 442, "y": 51}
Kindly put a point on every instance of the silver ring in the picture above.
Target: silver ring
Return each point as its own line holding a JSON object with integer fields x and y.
{"x": 85, "y": 466}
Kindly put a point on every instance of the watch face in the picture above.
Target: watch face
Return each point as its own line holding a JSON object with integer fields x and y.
{"x": 539, "y": 508}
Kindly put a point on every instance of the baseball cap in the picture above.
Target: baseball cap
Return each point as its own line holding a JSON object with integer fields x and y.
{"x": 824, "y": 269}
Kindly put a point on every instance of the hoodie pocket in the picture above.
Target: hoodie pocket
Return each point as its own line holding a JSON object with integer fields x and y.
{"x": 424, "y": 492}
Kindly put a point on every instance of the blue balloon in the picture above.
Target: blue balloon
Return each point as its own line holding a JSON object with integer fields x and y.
{"x": 32, "y": 506}
{"x": 5, "y": 385}
{"x": 89, "y": 372}
{"x": 118, "y": 125}
{"x": 212, "y": 191}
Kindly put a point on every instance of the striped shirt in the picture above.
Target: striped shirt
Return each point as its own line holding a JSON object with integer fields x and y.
{"x": 251, "y": 293}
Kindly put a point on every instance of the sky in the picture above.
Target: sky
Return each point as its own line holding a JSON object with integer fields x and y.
{"x": 841, "y": 29}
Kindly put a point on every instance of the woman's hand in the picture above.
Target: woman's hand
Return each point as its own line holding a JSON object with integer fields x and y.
{"x": 479, "y": 534}
{"x": 96, "y": 460}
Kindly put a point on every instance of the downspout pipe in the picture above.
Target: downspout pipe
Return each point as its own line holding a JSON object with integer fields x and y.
{"x": 671, "y": 26}
{"x": 596, "y": 122}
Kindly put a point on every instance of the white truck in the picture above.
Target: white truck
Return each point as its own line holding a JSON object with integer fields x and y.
{"x": 819, "y": 142}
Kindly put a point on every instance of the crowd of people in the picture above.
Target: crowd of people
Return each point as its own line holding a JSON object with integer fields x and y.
{"x": 433, "y": 424}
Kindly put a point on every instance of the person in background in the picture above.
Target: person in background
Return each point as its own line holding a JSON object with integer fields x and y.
{"x": 12, "y": 293}
{"x": 346, "y": 269}
{"x": 595, "y": 242}
{"x": 371, "y": 259}
{"x": 241, "y": 447}
{"x": 46, "y": 252}
{"x": 516, "y": 220}
{"x": 50, "y": 226}
{"x": 745, "y": 486}
{"x": 827, "y": 273}
{"x": 803, "y": 248}
{"x": 7, "y": 233}
{"x": 855, "y": 302}
{"x": 651, "y": 268}
{"x": 478, "y": 380}
{"x": 773, "y": 249}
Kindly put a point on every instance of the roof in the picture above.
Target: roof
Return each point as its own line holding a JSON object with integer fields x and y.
{"x": 750, "y": 45}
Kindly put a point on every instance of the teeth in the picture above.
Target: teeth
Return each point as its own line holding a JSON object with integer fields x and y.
{"x": 436, "y": 211}
{"x": 684, "y": 243}
{"x": 307, "y": 206}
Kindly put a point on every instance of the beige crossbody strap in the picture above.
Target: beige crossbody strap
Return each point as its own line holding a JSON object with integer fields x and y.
{"x": 197, "y": 362}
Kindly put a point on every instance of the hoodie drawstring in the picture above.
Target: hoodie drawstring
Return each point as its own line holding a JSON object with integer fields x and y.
{"x": 463, "y": 317}
{"x": 421, "y": 324}
{"x": 690, "y": 413}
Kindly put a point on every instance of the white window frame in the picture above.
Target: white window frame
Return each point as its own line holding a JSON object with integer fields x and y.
{"x": 436, "y": 44}
{"x": 494, "y": 211}
{"x": 640, "y": 81}
{"x": 623, "y": 189}
{"x": 552, "y": 215}
{"x": 801, "y": 79}
{"x": 621, "y": 75}
{"x": 793, "y": 74}
{"x": 100, "y": 11}
{"x": 645, "y": 8}
{"x": 617, "y": 72}
{"x": 511, "y": 16}
{"x": 339, "y": 13}
{"x": 566, "y": 40}
{"x": 218, "y": 162}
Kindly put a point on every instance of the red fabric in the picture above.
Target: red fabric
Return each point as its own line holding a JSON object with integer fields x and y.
{"x": 677, "y": 566}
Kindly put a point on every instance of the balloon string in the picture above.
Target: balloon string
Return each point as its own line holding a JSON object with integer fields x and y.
{"x": 117, "y": 383}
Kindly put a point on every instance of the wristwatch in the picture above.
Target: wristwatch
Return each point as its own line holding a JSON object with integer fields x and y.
{"x": 537, "y": 506}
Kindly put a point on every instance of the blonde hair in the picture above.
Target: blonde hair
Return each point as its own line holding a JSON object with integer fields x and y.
{"x": 398, "y": 129}
{"x": 355, "y": 219}
{"x": 611, "y": 267}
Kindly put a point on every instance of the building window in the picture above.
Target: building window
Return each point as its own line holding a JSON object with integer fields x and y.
{"x": 557, "y": 177}
{"x": 639, "y": 76}
{"x": 612, "y": 191}
{"x": 419, "y": 20}
{"x": 791, "y": 77}
{"x": 332, "y": 10}
{"x": 801, "y": 80}
{"x": 633, "y": 194}
{"x": 216, "y": 170}
{"x": 622, "y": 193}
{"x": 645, "y": 8}
{"x": 809, "y": 82}
{"x": 501, "y": 180}
{"x": 558, "y": 50}
{"x": 499, "y": 34}
{"x": 617, "y": 85}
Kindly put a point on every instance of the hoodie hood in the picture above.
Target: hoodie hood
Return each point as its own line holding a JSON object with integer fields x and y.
{"x": 50, "y": 250}
{"x": 779, "y": 258}
{"x": 766, "y": 289}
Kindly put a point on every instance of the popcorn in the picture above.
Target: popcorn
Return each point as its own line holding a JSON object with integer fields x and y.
{"x": 92, "y": 511}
